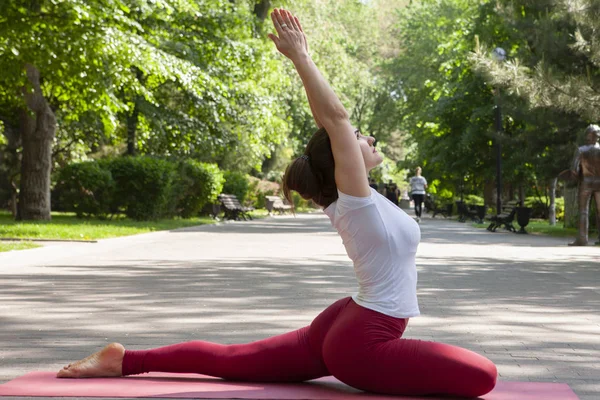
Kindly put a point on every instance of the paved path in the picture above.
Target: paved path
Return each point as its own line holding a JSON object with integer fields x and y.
{"x": 529, "y": 303}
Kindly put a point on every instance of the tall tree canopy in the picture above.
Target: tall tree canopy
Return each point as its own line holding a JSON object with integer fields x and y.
{"x": 443, "y": 107}
{"x": 193, "y": 78}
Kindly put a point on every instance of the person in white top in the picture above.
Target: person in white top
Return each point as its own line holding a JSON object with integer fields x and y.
{"x": 418, "y": 185}
{"x": 358, "y": 338}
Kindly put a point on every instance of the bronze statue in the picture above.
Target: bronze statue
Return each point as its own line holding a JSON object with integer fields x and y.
{"x": 586, "y": 171}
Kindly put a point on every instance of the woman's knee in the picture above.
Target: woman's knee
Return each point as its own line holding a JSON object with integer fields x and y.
{"x": 473, "y": 376}
{"x": 484, "y": 378}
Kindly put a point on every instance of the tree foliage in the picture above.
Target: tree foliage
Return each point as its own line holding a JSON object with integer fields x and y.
{"x": 551, "y": 75}
{"x": 190, "y": 78}
{"x": 442, "y": 106}
{"x": 555, "y": 54}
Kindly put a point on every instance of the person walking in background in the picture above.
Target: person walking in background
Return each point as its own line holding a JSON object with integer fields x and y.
{"x": 373, "y": 184}
{"x": 418, "y": 185}
{"x": 392, "y": 192}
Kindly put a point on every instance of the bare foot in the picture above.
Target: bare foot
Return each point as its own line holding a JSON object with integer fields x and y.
{"x": 104, "y": 363}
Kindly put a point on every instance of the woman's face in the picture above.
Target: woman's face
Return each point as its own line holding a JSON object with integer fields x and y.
{"x": 370, "y": 155}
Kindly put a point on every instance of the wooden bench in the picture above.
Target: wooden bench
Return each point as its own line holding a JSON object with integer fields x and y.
{"x": 505, "y": 218}
{"x": 233, "y": 209}
{"x": 473, "y": 212}
{"x": 276, "y": 203}
{"x": 430, "y": 205}
{"x": 464, "y": 212}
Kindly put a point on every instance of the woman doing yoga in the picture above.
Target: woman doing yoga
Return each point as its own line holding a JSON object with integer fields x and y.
{"x": 357, "y": 339}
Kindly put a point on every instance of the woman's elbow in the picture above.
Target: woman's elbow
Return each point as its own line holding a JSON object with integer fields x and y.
{"x": 341, "y": 114}
{"x": 335, "y": 116}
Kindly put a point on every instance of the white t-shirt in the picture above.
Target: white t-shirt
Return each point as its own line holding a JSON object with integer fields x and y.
{"x": 417, "y": 185}
{"x": 382, "y": 241}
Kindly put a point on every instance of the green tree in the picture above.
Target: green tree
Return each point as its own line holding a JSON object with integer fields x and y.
{"x": 553, "y": 68}
{"x": 69, "y": 57}
{"x": 174, "y": 77}
{"x": 555, "y": 55}
{"x": 436, "y": 99}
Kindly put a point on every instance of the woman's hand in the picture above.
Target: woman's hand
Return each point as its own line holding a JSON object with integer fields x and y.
{"x": 290, "y": 39}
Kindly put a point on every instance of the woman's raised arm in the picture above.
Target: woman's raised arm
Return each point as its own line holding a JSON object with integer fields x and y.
{"x": 350, "y": 170}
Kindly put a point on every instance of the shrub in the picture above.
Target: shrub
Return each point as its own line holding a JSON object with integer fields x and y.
{"x": 258, "y": 189}
{"x": 443, "y": 196}
{"x": 85, "y": 188}
{"x": 197, "y": 184}
{"x": 144, "y": 186}
{"x": 236, "y": 183}
{"x": 300, "y": 202}
{"x": 474, "y": 199}
{"x": 540, "y": 210}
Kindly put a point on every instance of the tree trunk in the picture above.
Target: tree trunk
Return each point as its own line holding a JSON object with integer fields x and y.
{"x": 261, "y": 9}
{"x": 552, "y": 210}
{"x": 38, "y": 127}
{"x": 132, "y": 121}
{"x": 488, "y": 193}
{"x": 133, "y": 118}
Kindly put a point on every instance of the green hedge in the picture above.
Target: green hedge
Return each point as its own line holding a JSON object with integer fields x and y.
{"x": 258, "y": 190}
{"x": 539, "y": 209}
{"x": 473, "y": 199}
{"x": 300, "y": 202}
{"x": 143, "y": 188}
{"x": 236, "y": 183}
{"x": 84, "y": 188}
{"x": 197, "y": 185}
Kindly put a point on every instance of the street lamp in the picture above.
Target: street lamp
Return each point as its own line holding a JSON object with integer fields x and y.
{"x": 499, "y": 54}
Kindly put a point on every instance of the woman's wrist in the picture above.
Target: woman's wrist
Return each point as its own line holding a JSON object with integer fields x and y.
{"x": 300, "y": 58}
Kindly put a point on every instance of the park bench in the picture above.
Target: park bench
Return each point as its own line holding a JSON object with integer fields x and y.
{"x": 431, "y": 206}
{"x": 276, "y": 203}
{"x": 233, "y": 209}
{"x": 464, "y": 212}
{"x": 470, "y": 211}
{"x": 505, "y": 218}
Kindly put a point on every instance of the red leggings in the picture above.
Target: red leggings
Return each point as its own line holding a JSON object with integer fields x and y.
{"x": 358, "y": 346}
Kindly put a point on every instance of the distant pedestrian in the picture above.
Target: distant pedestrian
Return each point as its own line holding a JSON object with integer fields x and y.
{"x": 373, "y": 184}
{"x": 392, "y": 193}
{"x": 418, "y": 185}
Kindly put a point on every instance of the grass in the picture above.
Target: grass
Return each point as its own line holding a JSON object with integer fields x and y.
{"x": 542, "y": 227}
{"x": 8, "y": 246}
{"x": 66, "y": 226}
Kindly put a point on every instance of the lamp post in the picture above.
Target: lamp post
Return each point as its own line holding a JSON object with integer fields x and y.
{"x": 499, "y": 55}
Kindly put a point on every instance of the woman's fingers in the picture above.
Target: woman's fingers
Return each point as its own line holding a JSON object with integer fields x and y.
{"x": 282, "y": 19}
{"x": 276, "y": 22}
{"x": 292, "y": 21}
{"x": 285, "y": 19}
{"x": 289, "y": 39}
{"x": 297, "y": 21}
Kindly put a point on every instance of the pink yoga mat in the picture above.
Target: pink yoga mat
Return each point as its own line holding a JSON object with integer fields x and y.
{"x": 205, "y": 387}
